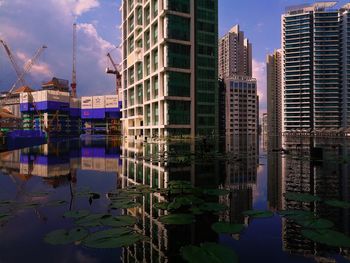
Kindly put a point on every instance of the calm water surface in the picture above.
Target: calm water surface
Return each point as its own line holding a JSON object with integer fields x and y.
{"x": 40, "y": 184}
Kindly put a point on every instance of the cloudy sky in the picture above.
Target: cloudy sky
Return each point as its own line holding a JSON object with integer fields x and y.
{"x": 27, "y": 24}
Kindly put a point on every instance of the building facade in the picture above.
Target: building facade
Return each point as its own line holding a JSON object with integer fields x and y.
{"x": 241, "y": 106}
{"x": 274, "y": 93}
{"x": 315, "y": 63}
{"x": 235, "y": 54}
{"x": 169, "y": 80}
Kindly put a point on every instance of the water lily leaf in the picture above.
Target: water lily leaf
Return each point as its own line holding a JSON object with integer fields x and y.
{"x": 227, "y": 228}
{"x": 196, "y": 210}
{"x": 4, "y": 217}
{"x": 38, "y": 194}
{"x": 28, "y": 205}
{"x": 327, "y": 237}
{"x": 301, "y": 197}
{"x": 112, "y": 238}
{"x": 297, "y": 214}
{"x": 7, "y": 203}
{"x": 56, "y": 203}
{"x": 213, "y": 207}
{"x": 338, "y": 203}
{"x": 216, "y": 192}
{"x": 123, "y": 204}
{"x": 92, "y": 220}
{"x": 76, "y": 214}
{"x": 94, "y": 195}
{"x": 177, "y": 219}
{"x": 315, "y": 223}
{"x": 257, "y": 213}
{"x": 161, "y": 205}
{"x": 119, "y": 221}
{"x": 64, "y": 237}
{"x": 208, "y": 253}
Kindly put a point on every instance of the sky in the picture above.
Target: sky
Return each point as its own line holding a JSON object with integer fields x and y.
{"x": 26, "y": 25}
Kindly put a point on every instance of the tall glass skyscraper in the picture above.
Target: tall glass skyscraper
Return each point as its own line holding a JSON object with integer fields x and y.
{"x": 314, "y": 44}
{"x": 169, "y": 67}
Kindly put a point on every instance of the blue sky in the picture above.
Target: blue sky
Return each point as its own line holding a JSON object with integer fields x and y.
{"x": 25, "y": 25}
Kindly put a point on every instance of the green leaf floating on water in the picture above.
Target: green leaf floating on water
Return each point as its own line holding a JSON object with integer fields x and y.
{"x": 161, "y": 205}
{"x": 76, "y": 214}
{"x": 258, "y": 213}
{"x": 208, "y": 253}
{"x": 338, "y": 203}
{"x": 297, "y": 214}
{"x": 123, "y": 204}
{"x": 28, "y": 205}
{"x": 213, "y": 207}
{"x": 64, "y": 237}
{"x": 4, "y": 217}
{"x": 119, "y": 221}
{"x": 327, "y": 237}
{"x": 315, "y": 223}
{"x": 56, "y": 203}
{"x": 92, "y": 220}
{"x": 301, "y": 197}
{"x": 227, "y": 228}
{"x": 216, "y": 192}
{"x": 112, "y": 238}
{"x": 177, "y": 219}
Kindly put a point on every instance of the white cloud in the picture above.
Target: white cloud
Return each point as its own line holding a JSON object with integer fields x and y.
{"x": 259, "y": 72}
{"x": 38, "y": 71}
{"x": 76, "y": 7}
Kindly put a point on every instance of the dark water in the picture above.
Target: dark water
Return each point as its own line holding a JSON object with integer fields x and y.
{"x": 256, "y": 176}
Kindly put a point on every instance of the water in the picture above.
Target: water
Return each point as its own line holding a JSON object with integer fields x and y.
{"x": 45, "y": 182}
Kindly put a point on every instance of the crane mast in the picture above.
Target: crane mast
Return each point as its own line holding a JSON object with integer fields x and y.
{"x": 13, "y": 61}
{"x": 74, "y": 73}
{"x": 115, "y": 72}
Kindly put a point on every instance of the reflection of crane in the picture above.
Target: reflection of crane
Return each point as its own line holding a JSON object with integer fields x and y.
{"x": 12, "y": 60}
{"x": 116, "y": 72}
{"x": 28, "y": 66}
{"x": 74, "y": 73}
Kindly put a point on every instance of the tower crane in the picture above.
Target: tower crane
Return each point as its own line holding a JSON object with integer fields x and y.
{"x": 13, "y": 61}
{"x": 27, "y": 67}
{"x": 74, "y": 73}
{"x": 115, "y": 72}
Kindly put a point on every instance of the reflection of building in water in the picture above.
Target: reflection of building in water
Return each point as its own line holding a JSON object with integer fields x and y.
{"x": 241, "y": 173}
{"x": 274, "y": 175}
{"x": 327, "y": 178}
{"x": 58, "y": 162}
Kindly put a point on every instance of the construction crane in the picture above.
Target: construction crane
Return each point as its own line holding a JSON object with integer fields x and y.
{"x": 13, "y": 61}
{"x": 27, "y": 67}
{"x": 74, "y": 73}
{"x": 115, "y": 72}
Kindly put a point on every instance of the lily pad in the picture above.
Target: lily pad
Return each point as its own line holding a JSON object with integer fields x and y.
{"x": 177, "y": 219}
{"x": 209, "y": 253}
{"x": 315, "y": 223}
{"x": 227, "y": 228}
{"x": 28, "y": 205}
{"x": 4, "y": 217}
{"x": 38, "y": 194}
{"x": 327, "y": 237}
{"x": 56, "y": 203}
{"x": 64, "y": 237}
{"x": 301, "y": 197}
{"x": 76, "y": 214}
{"x": 196, "y": 210}
{"x": 123, "y": 204}
{"x": 216, "y": 192}
{"x": 338, "y": 203}
{"x": 112, "y": 238}
{"x": 119, "y": 221}
{"x": 258, "y": 213}
{"x": 297, "y": 214}
{"x": 161, "y": 205}
{"x": 92, "y": 220}
{"x": 213, "y": 207}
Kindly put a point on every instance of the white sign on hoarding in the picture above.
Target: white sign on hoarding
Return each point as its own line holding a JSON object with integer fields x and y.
{"x": 111, "y": 101}
{"x": 86, "y": 102}
{"x": 98, "y": 102}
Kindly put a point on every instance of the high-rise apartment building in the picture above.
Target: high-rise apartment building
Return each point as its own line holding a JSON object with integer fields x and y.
{"x": 235, "y": 54}
{"x": 169, "y": 67}
{"x": 274, "y": 93}
{"x": 316, "y": 68}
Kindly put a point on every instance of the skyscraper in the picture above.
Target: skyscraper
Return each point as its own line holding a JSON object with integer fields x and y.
{"x": 274, "y": 93}
{"x": 315, "y": 45}
{"x": 169, "y": 67}
{"x": 235, "y": 54}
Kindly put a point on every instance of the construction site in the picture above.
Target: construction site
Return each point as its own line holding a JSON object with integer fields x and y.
{"x": 30, "y": 116}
